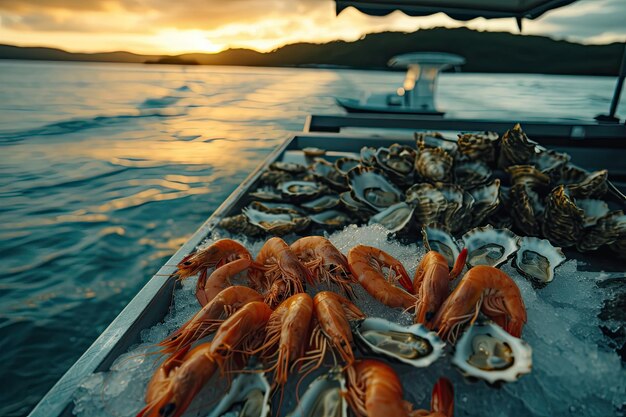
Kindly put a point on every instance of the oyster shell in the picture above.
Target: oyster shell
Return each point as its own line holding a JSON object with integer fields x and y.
{"x": 343, "y": 165}
{"x": 549, "y": 162}
{"x": 326, "y": 172}
{"x": 563, "y": 219}
{"x": 528, "y": 175}
{"x": 486, "y": 351}
{"x": 239, "y": 225}
{"x": 593, "y": 210}
{"x": 486, "y": 201}
{"x": 275, "y": 208}
{"x": 275, "y": 177}
{"x": 489, "y": 246}
{"x": 368, "y": 156}
{"x": 414, "y": 345}
{"x": 313, "y": 152}
{"x": 324, "y": 397}
{"x": 434, "y": 164}
{"x": 451, "y": 213}
{"x": 300, "y": 190}
{"x": 358, "y": 208}
{"x": 606, "y": 231}
{"x": 516, "y": 148}
{"x": 479, "y": 146}
{"x": 275, "y": 223}
{"x": 438, "y": 239}
{"x": 594, "y": 185}
{"x": 525, "y": 209}
{"x": 325, "y": 202}
{"x": 371, "y": 187}
{"x": 333, "y": 219}
{"x": 249, "y": 396}
{"x": 470, "y": 174}
{"x": 436, "y": 140}
{"x": 290, "y": 167}
{"x": 428, "y": 201}
{"x": 537, "y": 259}
{"x": 394, "y": 218}
{"x": 398, "y": 162}
{"x": 266, "y": 194}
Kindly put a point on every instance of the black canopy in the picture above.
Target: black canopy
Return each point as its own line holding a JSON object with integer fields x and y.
{"x": 456, "y": 9}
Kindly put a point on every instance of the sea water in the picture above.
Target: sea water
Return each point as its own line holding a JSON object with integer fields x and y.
{"x": 574, "y": 372}
{"x": 107, "y": 169}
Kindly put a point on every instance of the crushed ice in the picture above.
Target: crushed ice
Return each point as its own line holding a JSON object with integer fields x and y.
{"x": 575, "y": 372}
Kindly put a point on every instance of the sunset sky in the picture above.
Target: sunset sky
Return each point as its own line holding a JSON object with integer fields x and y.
{"x": 172, "y": 27}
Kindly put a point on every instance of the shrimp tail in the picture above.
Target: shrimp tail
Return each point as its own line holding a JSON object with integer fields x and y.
{"x": 442, "y": 400}
{"x": 459, "y": 264}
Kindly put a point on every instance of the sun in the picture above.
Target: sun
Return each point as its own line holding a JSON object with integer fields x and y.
{"x": 173, "y": 41}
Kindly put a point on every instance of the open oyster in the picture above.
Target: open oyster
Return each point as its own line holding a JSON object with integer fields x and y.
{"x": 343, "y": 165}
{"x": 322, "y": 203}
{"x": 266, "y": 194}
{"x": 414, "y": 345}
{"x": 438, "y": 239}
{"x": 333, "y": 219}
{"x": 537, "y": 259}
{"x": 394, "y": 218}
{"x": 249, "y": 395}
{"x": 398, "y": 161}
{"x": 325, "y": 397}
{"x": 489, "y": 246}
{"x": 239, "y": 225}
{"x": 370, "y": 186}
{"x": 300, "y": 190}
{"x": 488, "y": 352}
{"x": 289, "y": 167}
{"x": 275, "y": 223}
{"x": 327, "y": 173}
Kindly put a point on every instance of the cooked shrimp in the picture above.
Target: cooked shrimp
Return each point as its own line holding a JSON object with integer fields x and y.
{"x": 280, "y": 263}
{"x": 176, "y": 382}
{"x": 287, "y": 334}
{"x": 332, "y": 331}
{"x": 219, "y": 253}
{"x": 367, "y": 265}
{"x": 208, "y": 288}
{"x": 431, "y": 284}
{"x": 325, "y": 262}
{"x": 378, "y": 393}
{"x": 489, "y": 290}
{"x": 242, "y": 332}
{"x": 207, "y": 320}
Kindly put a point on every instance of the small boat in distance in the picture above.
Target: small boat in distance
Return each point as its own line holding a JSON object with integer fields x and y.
{"x": 417, "y": 94}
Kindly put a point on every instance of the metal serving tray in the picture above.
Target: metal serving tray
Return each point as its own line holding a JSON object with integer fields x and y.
{"x": 151, "y": 304}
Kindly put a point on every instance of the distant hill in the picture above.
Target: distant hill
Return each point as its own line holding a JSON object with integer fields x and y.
{"x": 484, "y": 52}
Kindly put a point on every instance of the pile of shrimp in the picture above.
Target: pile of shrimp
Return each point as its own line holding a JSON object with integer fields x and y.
{"x": 273, "y": 319}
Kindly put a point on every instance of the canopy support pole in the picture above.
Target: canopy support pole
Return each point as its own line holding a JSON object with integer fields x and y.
{"x": 617, "y": 94}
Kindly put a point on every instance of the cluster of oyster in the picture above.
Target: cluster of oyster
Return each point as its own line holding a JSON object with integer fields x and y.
{"x": 478, "y": 180}
{"x": 534, "y": 258}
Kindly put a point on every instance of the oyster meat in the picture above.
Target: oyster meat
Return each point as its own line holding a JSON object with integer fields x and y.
{"x": 394, "y": 218}
{"x": 249, "y": 396}
{"x": 324, "y": 397}
{"x": 371, "y": 187}
{"x": 537, "y": 259}
{"x": 300, "y": 190}
{"x": 488, "y": 352}
{"x": 489, "y": 246}
{"x": 414, "y": 345}
{"x": 438, "y": 239}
